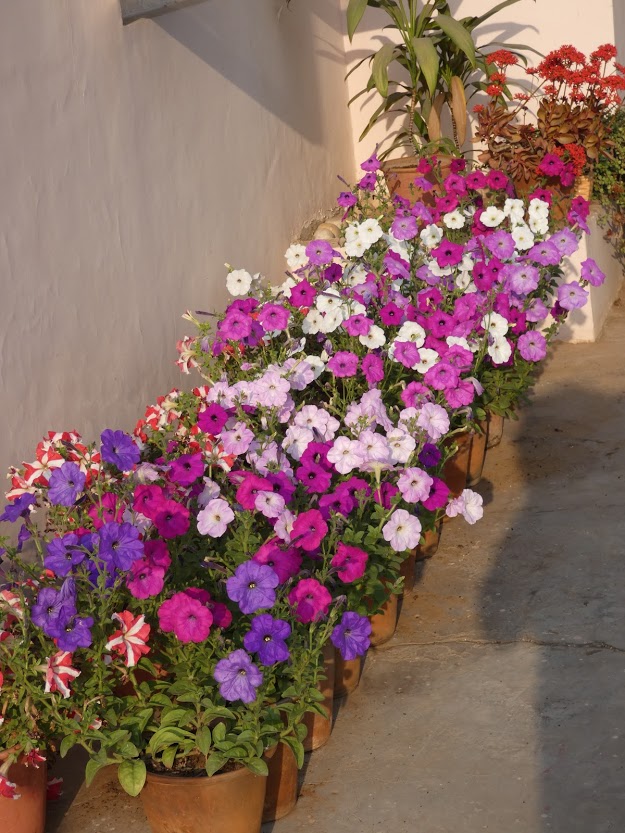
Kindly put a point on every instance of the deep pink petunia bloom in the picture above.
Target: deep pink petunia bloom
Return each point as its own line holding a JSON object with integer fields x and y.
{"x": 111, "y": 509}
{"x": 274, "y": 317}
{"x": 448, "y": 254}
{"x": 250, "y": 486}
{"x": 157, "y": 554}
{"x": 310, "y": 599}
{"x": 373, "y": 368}
{"x": 350, "y": 562}
{"x": 343, "y": 364}
{"x": 442, "y": 376}
{"x": 309, "y": 529}
{"x": 191, "y": 619}
{"x": 212, "y": 419}
{"x": 186, "y": 469}
{"x": 172, "y": 519}
{"x": 148, "y": 500}
{"x": 439, "y": 495}
{"x": 145, "y": 579}
{"x": 285, "y": 563}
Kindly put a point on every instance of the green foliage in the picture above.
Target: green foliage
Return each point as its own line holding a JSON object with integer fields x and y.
{"x": 609, "y": 184}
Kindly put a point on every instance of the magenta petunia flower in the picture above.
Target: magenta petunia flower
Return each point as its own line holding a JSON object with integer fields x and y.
{"x": 285, "y": 563}
{"x": 358, "y": 325}
{"x": 448, "y": 254}
{"x": 186, "y": 469}
{"x": 350, "y": 562}
{"x": 110, "y": 508}
{"x": 309, "y": 529}
{"x": 238, "y": 677}
{"x": 371, "y": 164}
{"x": 442, "y": 376}
{"x": 249, "y": 488}
{"x": 310, "y": 599}
{"x": 340, "y": 502}
{"x": 551, "y": 165}
{"x": 476, "y": 180}
{"x": 148, "y": 500}
{"x": 572, "y": 295}
{"x": 253, "y": 586}
{"x": 320, "y": 252}
{"x": 316, "y": 479}
{"x": 343, "y": 364}
{"x": 532, "y": 346}
{"x": 235, "y": 326}
{"x": 439, "y": 495}
{"x": 212, "y": 419}
{"x": 145, "y": 579}
{"x": 461, "y": 395}
{"x": 172, "y": 519}
{"x": 192, "y": 620}
{"x": 346, "y": 199}
{"x": 352, "y": 636}
{"x": 302, "y": 294}
{"x": 274, "y": 317}
{"x": 373, "y": 368}
{"x": 392, "y": 315}
{"x": 496, "y": 180}
{"x": 415, "y": 394}
{"x": 157, "y": 553}
{"x": 368, "y": 182}
{"x": 406, "y": 353}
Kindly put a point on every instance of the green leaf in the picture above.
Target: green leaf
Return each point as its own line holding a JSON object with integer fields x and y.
{"x": 257, "y": 766}
{"x": 379, "y": 67}
{"x": 355, "y": 11}
{"x": 165, "y": 736}
{"x": 203, "y": 739}
{"x": 131, "y": 776}
{"x": 214, "y": 763}
{"x": 427, "y": 56}
{"x": 219, "y": 732}
{"x": 66, "y": 744}
{"x": 298, "y": 749}
{"x": 92, "y": 769}
{"x": 169, "y": 756}
{"x": 176, "y": 717}
{"x": 458, "y": 34}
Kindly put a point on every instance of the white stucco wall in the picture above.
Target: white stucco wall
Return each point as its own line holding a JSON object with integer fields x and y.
{"x": 136, "y": 161}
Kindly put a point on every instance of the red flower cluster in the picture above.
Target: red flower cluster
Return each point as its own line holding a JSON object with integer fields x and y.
{"x": 569, "y": 76}
{"x": 502, "y": 58}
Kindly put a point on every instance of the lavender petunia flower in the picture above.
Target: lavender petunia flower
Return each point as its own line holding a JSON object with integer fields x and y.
{"x": 74, "y": 633}
{"x": 64, "y": 554}
{"x": 238, "y": 677}
{"x": 66, "y": 483}
{"x": 54, "y": 608}
{"x": 253, "y": 586}
{"x": 402, "y": 531}
{"x": 352, "y": 635}
{"x": 590, "y": 272}
{"x": 572, "y": 295}
{"x": 267, "y": 638}
{"x": 532, "y": 346}
{"x": 120, "y": 545}
{"x": 320, "y": 252}
{"x": 119, "y": 449}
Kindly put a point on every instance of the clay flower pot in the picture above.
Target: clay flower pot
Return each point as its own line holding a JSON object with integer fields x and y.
{"x": 26, "y": 814}
{"x": 477, "y": 454}
{"x": 495, "y": 429}
{"x": 401, "y": 173}
{"x": 407, "y": 570}
{"x": 456, "y": 469}
{"x": 229, "y": 802}
{"x": 282, "y": 782}
{"x": 383, "y": 624}
{"x": 346, "y": 675}
{"x": 429, "y": 545}
{"x": 320, "y": 728}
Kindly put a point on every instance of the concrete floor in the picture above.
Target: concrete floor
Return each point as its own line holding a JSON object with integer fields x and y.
{"x": 499, "y": 705}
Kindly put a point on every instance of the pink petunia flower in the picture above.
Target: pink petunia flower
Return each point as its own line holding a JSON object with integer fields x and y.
{"x": 310, "y": 599}
{"x": 309, "y": 529}
{"x": 350, "y": 562}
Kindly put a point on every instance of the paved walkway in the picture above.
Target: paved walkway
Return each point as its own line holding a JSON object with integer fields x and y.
{"x": 500, "y": 703}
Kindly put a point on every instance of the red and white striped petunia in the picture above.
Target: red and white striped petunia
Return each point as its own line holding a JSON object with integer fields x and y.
{"x": 131, "y": 639}
{"x": 7, "y": 788}
{"x": 59, "y": 673}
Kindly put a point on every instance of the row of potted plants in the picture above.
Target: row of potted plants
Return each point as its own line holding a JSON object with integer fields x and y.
{"x": 173, "y": 599}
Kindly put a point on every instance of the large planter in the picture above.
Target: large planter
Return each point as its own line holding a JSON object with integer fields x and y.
{"x": 407, "y": 571}
{"x": 320, "y": 728}
{"x": 346, "y": 674}
{"x": 456, "y": 469}
{"x": 384, "y": 623}
{"x": 495, "y": 429}
{"x": 282, "y": 782}
{"x": 477, "y": 454}
{"x": 26, "y": 814}
{"x": 230, "y": 802}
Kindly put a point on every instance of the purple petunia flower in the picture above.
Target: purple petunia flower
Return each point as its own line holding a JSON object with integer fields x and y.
{"x": 343, "y": 364}
{"x": 66, "y": 483}
{"x": 501, "y": 244}
{"x": 546, "y": 253}
{"x": 429, "y": 456}
{"x": 274, "y": 317}
{"x": 54, "y": 608}
{"x": 404, "y": 227}
{"x": 253, "y": 586}
{"x": 572, "y": 295}
{"x": 186, "y": 469}
{"x": 352, "y": 635}
{"x": 120, "y": 545}
{"x": 267, "y": 639}
{"x": 371, "y": 164}
{"x": 238, "y": 677}
{"x": 358, "y": 325}
{"x": 320, "y": 252}
{"x": 532, "y": 346}
{"x": 523, "y": 278}
{"x": 119, "y": 449}
{"x": 346, "y": 199}
{"x": 235, "y": 326}
{"x": 448, "y": 254}
{"x": 19, "y": 508}
{"x": 63, "y": 554}
{"x": 75, "y": 633}
{"x": 339, "y": 502}
{"x": 565, "y": 241}
{"x": 212, "y": 419}
{"x": 590, "y": 272}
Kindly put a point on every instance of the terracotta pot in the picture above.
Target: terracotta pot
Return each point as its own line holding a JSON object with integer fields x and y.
{"x": 429, "y": 545}
{"x": 407, "y": 571}
{"x": 401, "y": 173}
{"x": 26, "y": 814}
{"x": 320, "y": 728}
{"x": 346, "y": 674}
{"x": 582, "y": 187}
{"x": 456, "y": 469}
{"x": 281, "y": 794}
{"x": 495, "y": 429}
{"x": 383, "y": 624}
{"x": 477, "y": 454}
{"x": 230, "y": 802}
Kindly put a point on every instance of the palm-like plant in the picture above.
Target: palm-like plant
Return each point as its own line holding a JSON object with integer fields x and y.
{"x": 439, "y": 54}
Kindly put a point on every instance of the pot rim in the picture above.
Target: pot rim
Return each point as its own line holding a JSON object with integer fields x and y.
{"x": 181, "y": 780}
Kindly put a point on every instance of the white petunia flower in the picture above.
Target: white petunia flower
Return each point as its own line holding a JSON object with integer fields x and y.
{"x": 454, "y": 219}
{"x": 317, "y": 364}
{"x": 431, "y": 236}
{"x": 296, "y": 256}
{"x": 523, "y": 237}
{"x": 411, "y": 331}
{"x": 492, "y": 217}
{"x": 374, "y": 338}
{"x": 328, "y": 300}
{"x": 500, "y": 351}
{"x": 312, "y": 323}
{"x": 355, "y": 248}
{"x": 238, "y": 282}
{"x": 427, "y": 359}
{"x": 496, "y": 325}
{"x": 331, "y": 320}
{"x": 356, "y": 276}
{"x": 539, "y": 224}
{"x": 370, "y": 231}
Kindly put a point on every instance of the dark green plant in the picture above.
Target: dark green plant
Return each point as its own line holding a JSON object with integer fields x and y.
{"x": 609, "y": 184}
{"x": 439, "y": 54}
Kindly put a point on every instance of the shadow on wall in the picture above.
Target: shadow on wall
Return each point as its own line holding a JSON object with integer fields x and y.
{"x": 266, "y": 50}
{"x": 557, "y": 584}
